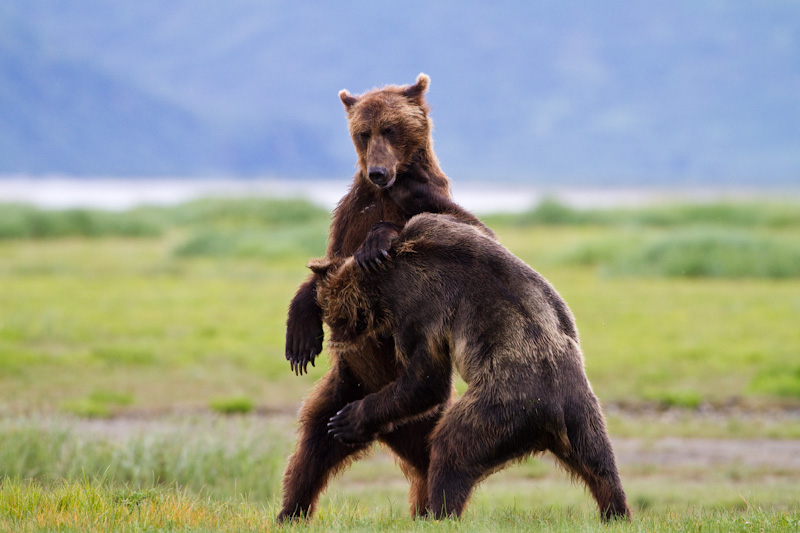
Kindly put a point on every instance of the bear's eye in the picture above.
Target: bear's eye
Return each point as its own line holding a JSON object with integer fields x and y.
{"x": 388, "y": 131}
{"x": 363, "y": 136}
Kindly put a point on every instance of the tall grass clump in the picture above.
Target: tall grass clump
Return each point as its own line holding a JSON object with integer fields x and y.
{"x": 254, "y": 228}
{"x": 19, "y": 221}
{"x": 551, "y": 212}
{"x": 26, "y": 222}
{"x": 241, "y": 213}
{"x": 88, "y": 505}
{"x": 710, "y": 255}
{"x": 777, "y": 380}
{"x": 232, "y": 405}
{"x": 99, "y": 404}
{"x": 219, "y": 457}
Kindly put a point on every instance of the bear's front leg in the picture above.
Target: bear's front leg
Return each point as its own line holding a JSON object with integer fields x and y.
{"x": 425, "y": 383}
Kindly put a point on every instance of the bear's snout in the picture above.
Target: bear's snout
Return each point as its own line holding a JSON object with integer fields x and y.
{"x": 380, "y": 177}
{"x": 377, "y": 173}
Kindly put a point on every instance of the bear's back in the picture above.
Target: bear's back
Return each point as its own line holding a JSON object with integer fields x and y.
{"x": 484, "y": 270}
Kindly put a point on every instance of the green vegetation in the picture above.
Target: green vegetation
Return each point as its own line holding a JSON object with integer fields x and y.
{"x": 706, "y": 241}
{"x": 99, "y": 404}
{"x": 202, "y": 472}
{"x": 280, "y": 242}
{"x": 182, "y": 318}
{"x": 123, "y": 352}
{"x": 693, "y": 253}
{"x": 749, "y": 215}
{"x": 190, "y": 452}
{"x": 232, "y": 405}
{"x": 24, "y": 222}
{"x": 87, "y": 506}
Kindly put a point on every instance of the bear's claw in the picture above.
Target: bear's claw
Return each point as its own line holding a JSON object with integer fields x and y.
{"x": 301, "y": 352}
{"x": 374, "y": 251}
{"x": 344, "y": 426}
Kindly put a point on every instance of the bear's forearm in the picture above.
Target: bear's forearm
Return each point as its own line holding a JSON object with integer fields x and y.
{"x": 419, "y": 389}
{"x": 304, "y": 332}
{"x": 304, "y": 307}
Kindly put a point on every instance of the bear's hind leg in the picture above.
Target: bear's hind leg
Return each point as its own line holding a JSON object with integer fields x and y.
{"x": 474, "y": 438}
{"x": 411, "y": 443}
{"x": 586, "y": 452}
{"x": 318, "y": 455}
{"x": 450, "y": 486}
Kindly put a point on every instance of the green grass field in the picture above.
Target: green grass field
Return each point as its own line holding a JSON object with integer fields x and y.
{"x": 143, "y": 384}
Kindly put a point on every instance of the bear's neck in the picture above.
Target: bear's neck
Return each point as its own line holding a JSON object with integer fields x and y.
{"x": 425, "y": 163}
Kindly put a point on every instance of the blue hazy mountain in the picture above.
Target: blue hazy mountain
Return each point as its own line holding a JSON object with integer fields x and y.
{"x": 598, "y": 92}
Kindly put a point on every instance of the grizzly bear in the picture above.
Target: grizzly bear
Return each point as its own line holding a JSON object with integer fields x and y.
{"x": 456, "y": 298}
{"x": 398, "y": 177}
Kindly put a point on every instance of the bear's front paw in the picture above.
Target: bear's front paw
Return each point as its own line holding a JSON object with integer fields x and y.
{"x": 303, "y": 344}
{"x": 374, "y": 252}
{"x": 372, "y": 255}
{"x": 348, "y": 427}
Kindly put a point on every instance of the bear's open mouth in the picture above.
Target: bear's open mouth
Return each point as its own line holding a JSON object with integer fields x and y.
{"x": 386, "y": 186}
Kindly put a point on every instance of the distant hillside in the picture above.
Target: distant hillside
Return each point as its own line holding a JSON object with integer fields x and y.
{"x": 596, "y": 92}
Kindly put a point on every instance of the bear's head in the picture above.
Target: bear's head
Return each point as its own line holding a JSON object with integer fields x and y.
{"x": 389, "y": 126}
{"x": 346, "y": 299}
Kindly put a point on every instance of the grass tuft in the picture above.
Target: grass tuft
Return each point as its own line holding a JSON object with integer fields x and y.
{"x": 99, "y": 404}
{"x": 777, "y": 381}
{"x": 234, "y": 405}
{"x": 686, "y": 399}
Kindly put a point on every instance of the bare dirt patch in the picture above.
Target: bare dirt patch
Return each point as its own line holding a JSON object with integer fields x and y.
{"x": 659, "y": 452}
{"x": 688, "y": 452}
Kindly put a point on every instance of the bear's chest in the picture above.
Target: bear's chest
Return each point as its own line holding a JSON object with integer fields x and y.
{"x": 370, "y": 361}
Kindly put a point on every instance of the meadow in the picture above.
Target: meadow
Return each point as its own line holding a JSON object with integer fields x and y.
{"x": 143, "y": 383}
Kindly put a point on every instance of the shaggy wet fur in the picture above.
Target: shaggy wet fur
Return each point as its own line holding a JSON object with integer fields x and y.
{"x": 455, "y": 298}
{"x": 398, "y": 177}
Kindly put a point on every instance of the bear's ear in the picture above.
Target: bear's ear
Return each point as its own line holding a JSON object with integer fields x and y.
{"x": 347, "y": 99}
{"x": 320, "y": 266}
{"x": 415, "y": 92}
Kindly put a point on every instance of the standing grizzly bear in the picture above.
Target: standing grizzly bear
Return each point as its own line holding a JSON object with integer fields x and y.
{"x": 455, "y": 297}
{"x": 398, "y": 177}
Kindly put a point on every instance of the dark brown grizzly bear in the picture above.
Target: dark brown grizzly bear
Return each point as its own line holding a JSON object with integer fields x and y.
{"x": 456, "y": 298}
{"x": 398, "y": 177}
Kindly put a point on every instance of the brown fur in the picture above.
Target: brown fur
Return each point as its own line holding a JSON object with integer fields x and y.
{"x": 456, "y": 298}
{"x": 398, "y": 141}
